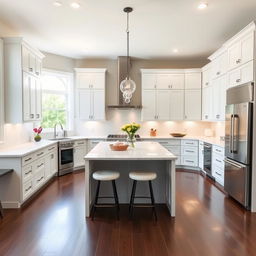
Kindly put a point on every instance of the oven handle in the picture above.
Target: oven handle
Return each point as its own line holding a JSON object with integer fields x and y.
{"x": 238, "y": 165}
{"x": 63, "y": 148}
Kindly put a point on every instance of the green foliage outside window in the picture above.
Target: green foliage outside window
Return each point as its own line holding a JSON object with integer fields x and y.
{"x": 54, "y": 110}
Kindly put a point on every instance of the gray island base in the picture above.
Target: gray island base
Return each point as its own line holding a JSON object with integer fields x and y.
{"x": 146, "y": 156}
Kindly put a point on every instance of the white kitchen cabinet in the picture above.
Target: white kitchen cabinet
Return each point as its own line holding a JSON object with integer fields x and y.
{"x": 241, "y": 75}
{"x": 148, "y": 81}
{"x": 51, "y": 164}
{"x": 218, "y": 165}
{"x": 22, "y": 65}
{"x": 207, "y": 103}
{"x": 90, "y": 78}
{"x": 148, "y": 105}
{"x": 219, "y": 65}
{"x": 79, "y": 153}
{"x": 176, "y": 105}
{"x": 162, "y": 105}
{"x": 219, "y": 98}
{"x": 206, "y": 75}
{"x": 241, "y": 51}
{"x": 91, "y": 104}
{"x": 193, "y": 81}
{"x": 192, "y": 104}
{"x": 170, "y": 81}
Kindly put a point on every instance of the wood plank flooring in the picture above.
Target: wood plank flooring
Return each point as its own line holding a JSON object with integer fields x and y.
{"x": 52, "y": 224}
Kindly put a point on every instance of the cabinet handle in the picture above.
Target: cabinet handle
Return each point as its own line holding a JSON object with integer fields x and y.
{"x": 190, "y": 151}
{"x": 31, "y": 115}
{"x": 238, "y": 61}
{"x": 206, "y": 116}
{"x": 217, "y": 116}
{"x": 40, "y": 165}
{"x": 217, "y": 160}
{"x": 80, "y": 143}
{"x": 189, "y": 161}
{"x": 238, "y": 80}
{"x": 218, "y": 173}
{"x": 52, "y": 156}
{"x": 49, "y": 149}
{"x": 40, "y": 154}
{"x": 31, "y": 69}
{"x": 218, "y": 73}
{"x": 38, "y": 115}
{"x": 26, "y": 173}
{"x": 155, "y": 86}
{"x": 27, "y": 189}
{"x": 28, "y": 159}
{"x": 218, "y": 150}
{"x": 189, "y": 143}
{"x": 40, "y": 179}
{"x": 206, "y": 83}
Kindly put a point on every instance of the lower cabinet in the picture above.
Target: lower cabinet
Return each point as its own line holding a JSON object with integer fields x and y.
{"x": 218, "y": 165}
{"x": 189, "y": 153}
{"x": 79, "y": 153}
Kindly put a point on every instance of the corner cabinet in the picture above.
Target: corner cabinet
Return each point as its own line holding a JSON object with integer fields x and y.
{"x": 90, "y": 87}
{"x": 166, "y": 94}
{"x": 22, "y": 65}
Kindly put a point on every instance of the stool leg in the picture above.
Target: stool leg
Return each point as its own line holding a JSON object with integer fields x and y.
{"x": 152, "y": 198}
{"x": 116, "y": 198}
{"x": 133, "y": 196}
{"x": 130, "y": 205}
{"x": 1, "y": 210}
{"x": 95, "y": 200}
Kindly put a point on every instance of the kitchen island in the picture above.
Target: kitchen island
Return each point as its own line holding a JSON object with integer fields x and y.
{"x": 145, "y": 156}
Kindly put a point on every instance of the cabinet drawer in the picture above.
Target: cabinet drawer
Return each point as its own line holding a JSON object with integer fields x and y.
{"x": 189, "y": 143}
{"x": 174, "y": 150}
{"x": 218, "y": 160}
{"x": 27, "y": 159}
{"x": 51, "y": 149}
{"x": 39, "y": 165}
{"x": 189, "y": 151}
{"x": 79, "y": 143}
{"x": 218, "y": 150}
{"x": 27, "y": 189}
{"x": 38, "y": 179}
{"x": 27, "y": 172}
{"x": 169, "y": 142}
{"x": 40, "y": 153}
{"x": 218, "y": 174}
{"x": 189, "y": 161}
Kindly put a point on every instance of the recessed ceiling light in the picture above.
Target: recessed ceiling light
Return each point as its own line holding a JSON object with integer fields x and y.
{"x": 57, "y": 3}
{"x": 75, "y": 5}
{"x": 175, "y": 50}
{"x": 202, "y": 5}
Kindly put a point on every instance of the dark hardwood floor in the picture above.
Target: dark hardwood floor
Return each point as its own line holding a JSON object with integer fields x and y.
{"x": 207, "y": 223}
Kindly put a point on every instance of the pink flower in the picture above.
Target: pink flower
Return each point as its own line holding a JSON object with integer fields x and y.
{"x": 39, "y": 129}
{"x": 35, "y": 130}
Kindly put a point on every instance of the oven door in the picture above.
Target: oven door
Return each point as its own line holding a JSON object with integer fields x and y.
{"x": 66, "y": 158}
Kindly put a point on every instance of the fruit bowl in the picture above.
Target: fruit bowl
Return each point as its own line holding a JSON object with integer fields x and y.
{"x": 119, "y": 146}
{"x": 176, "y": 134}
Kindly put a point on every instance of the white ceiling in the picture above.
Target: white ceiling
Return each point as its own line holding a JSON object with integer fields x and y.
{"x": 97, "y": 29}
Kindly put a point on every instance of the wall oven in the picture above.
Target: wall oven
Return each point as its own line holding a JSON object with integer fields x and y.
{"x": 208, "y": 159}
{"x": 66, "y": 157}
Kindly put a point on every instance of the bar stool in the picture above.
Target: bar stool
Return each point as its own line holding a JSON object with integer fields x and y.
{"x": 142, "y": 176}
{"x": 105, "y": 176}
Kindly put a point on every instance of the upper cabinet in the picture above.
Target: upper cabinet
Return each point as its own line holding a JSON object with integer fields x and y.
{"x": 206, "y": 75}
{"x": 163, "y": 94}
{"x": 219, "y": 63}
{"x": 22, "y": 65}
{"x": 90, "y": 85}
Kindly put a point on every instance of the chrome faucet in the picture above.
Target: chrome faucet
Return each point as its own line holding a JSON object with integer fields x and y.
{"x": 55, "y": 130}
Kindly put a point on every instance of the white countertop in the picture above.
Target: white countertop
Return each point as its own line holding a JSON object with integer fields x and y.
{"x": 24, "y": 149}
{"x": 145, "y": 150}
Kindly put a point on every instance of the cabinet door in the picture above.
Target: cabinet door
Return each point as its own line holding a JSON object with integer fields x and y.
{"x": 193, "y": 81}
{"x": 84, "y": 108}
{"x": 176, "y": 105}
{"x": 247, "y": 48}
{"x": 98, "y": 81}
{"x": 25, "y": 59}
{"x": 163, "y": 81}
{"x": 84, "y": 80}
{"x": 38, "y": 95}
{"x": 234, "y": 77}
{"x": 192, "y": 104}
{"x": 32, "y": 63}
{"x": 234, "y": 55}
{"x": 206, "y": 78}
{"x": 148, "y": 105}
{"x": 177, "y": 81}
{"x": 223, "y": 59}
{"x": 33, "y": 93}
{"x": 247, "y": 71}
{"x": 38, "y": 66}
{"x": 148, "y": 81}
{"x": 26, "y": 96}
{"x": 207, "y": 103}
{"x": 98, "y": 104}
{"x": 163, "y": 104}
{"x": 53, "y": 163}
{"x": 79, "y": 153}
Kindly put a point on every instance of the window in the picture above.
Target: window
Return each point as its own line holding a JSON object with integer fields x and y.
{"x": 57, "y": 99}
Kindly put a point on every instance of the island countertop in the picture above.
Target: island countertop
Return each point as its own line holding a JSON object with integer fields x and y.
{"x": 145, "y": 150}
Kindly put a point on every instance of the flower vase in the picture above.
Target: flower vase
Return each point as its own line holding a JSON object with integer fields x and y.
{"x": 131, "y": 140}
{"x": 37, "y": 138}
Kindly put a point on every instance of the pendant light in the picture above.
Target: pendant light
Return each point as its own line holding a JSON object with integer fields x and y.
{"x": 127, "y": 86}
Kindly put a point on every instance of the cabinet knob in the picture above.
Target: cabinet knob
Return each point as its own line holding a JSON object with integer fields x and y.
{"x": 238, "y": 80}
{"x": 37, "y": 73}
{"x": 217, "y": 116}
{"x": 206, "y": 116}
{"x": 218, "y": 73}
{"x": 38, "y": 115}
{"x": 238, "y": 61}
{"x": 31, "y": 115}
{"x": 31, "y": 69}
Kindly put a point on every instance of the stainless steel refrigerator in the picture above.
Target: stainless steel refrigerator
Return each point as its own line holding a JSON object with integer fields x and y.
{"x": 238, "y": 143}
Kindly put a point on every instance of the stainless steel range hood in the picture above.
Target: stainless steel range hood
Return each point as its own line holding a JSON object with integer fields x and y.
{"x": 121, "y": 73}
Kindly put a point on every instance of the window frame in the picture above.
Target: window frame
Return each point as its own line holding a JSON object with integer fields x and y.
{"x": 69, "y": 96}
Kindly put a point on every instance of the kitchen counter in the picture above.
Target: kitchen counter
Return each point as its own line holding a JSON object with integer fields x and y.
{"x": 24, "y": 149}
{"x": 146, "y": 156}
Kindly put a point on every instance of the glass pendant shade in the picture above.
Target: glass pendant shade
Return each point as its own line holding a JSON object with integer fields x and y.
{"x": 127, "y": 87}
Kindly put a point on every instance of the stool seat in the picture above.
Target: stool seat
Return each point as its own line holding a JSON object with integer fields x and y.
{"x": 142, "y": 176}
{"x": 105, "y": 175}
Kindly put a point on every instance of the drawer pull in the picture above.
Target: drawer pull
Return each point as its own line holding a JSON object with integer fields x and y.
{"x": 189, "y": 143}
{"x": 218, "y": 173}
{"x": 28, "y": 159}
{"x": 40, "y": 165}
{"x": 218, "y": 150}
{"x": 189, "y": 151}
{"x": 80, "y": 143}
{"x": 51, "y": 148}
{"x": 217, "y": 160}
{"x": 27, "y": 189}
{"x": 40, "y": 179}
{"x": 189, "y": 161}
{"x": 40, "y": 154}
{"x": 163, "y": 142}
{"x": 26, "y": 173}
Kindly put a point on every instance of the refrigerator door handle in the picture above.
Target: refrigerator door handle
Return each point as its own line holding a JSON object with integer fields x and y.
{"x": 235, "y": 132}
{"x": 238, "y": 165}
{"x": 231, "y": 134}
